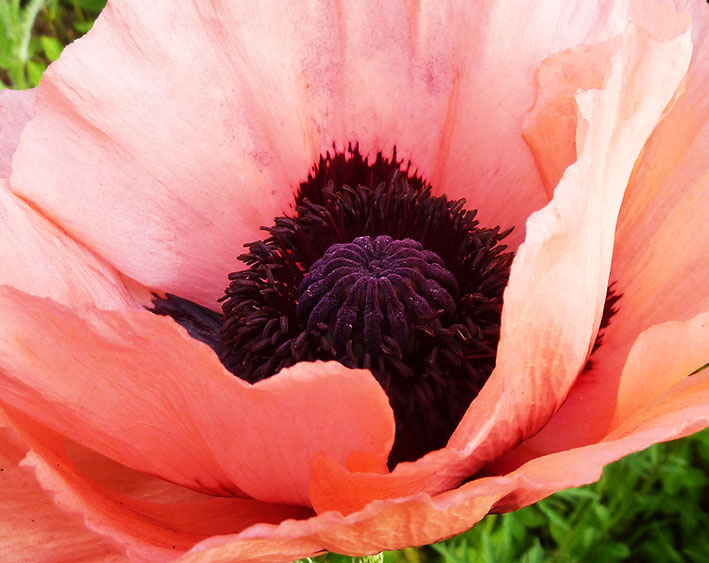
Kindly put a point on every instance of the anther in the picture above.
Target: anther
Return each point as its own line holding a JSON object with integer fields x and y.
{"x": 362, "y": 291}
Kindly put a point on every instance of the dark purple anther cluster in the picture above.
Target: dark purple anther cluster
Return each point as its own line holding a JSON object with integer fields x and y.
{"x": 371, "y": 290}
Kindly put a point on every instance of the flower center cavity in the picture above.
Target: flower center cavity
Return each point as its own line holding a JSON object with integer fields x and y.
{"x": 374, "y": 271}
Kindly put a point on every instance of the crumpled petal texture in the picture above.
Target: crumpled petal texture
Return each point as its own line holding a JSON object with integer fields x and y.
{"x": 32, "y": 525}
{"x": 157, "y": 145}
{"x": 658, "y": 262}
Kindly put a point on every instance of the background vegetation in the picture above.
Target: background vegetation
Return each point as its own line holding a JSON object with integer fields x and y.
{"x": 650, "y": 506}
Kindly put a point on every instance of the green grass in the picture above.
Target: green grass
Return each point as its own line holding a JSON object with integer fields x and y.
{"x": 650, "y": 506}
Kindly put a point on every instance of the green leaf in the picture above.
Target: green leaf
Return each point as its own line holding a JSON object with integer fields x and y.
{"x": 92, "y": 5}
{"x": 51, "y": 46}
{"x": 83, "y": 27}
{"x": 35, "y": 71}
{"x": 611, "y": 551}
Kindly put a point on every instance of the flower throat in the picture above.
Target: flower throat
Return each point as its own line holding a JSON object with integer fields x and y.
{"x": 375, "y": 272}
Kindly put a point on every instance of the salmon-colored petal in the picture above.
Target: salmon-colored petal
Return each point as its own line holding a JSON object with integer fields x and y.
{"x": 15, "y": 110}
{"x": 347, "y": 489}
{"x": 659, "y": 265}
{"x": 426, "y": 77}
{"x": 206, "y": 152}
{"x": 137, "y": 388}
{"x": 682, "y": 410}
{"x": 34, "y": 254}
{"x": 652, "y": 367}
{"x": 482, "y": 155}
{"x": 661, "y": 357}
{"x": 663, "y": 237}
{"x": 235, "y": 117}
{"x": 554, "y": 300}
{"x": 32, "y": 528}
{"x": 550, "y": 127}
{"x": 43, "y": 260}
{"x": 146, "y": 531}
{"x": 419, "y": 519}
{"x": 254, "y": 551}
{"x": 113, "y": 476}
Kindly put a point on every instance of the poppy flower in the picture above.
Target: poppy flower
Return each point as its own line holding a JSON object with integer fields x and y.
{"x": 385, "y": 366}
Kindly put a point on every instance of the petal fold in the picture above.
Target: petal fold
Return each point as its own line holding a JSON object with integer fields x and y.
{"x": 145, "y": 530}
{"x": 389, "y": 525}
{"x": 15, "y": 110}
{"x": 42, "y": 260}
{"x": 32, "y": 528}
{"x": 421, "y": 519}
{"x": 661, "y": 357}
{"x": 554, "y": 300}
{"x": 659, "y": 265}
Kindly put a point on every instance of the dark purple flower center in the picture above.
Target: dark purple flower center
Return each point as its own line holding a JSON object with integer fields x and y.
{"x": 373, "y": 271}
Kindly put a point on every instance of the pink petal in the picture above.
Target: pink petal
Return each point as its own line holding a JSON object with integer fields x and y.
{"x": 15, "y": 111}
{"x": 348, "y": 489}
{"x": 146, "y": 531}
{"x": 681, "y": 411}
{"x": 550, "y": 127}
{"x": 661, "y": 357}
{"x": 108, "y": 474}
{"x": 663, "y": 235}
{"x": 32, "y": 528}
{"x": 236, "y": 115}
{"x": 41, "y": 259}
{"x": 135, "y": 387}
{"x": 659, "y": 263}
{"x": 481, "y": 153}
{"x": 655, "y": 366}
{"x": 426, "y": 78}
{"x": 420, "y": 519}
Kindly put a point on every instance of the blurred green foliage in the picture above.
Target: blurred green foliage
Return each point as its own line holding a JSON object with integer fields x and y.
{"x": 34, "y": 32}
{"x": 650, "y": 506}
